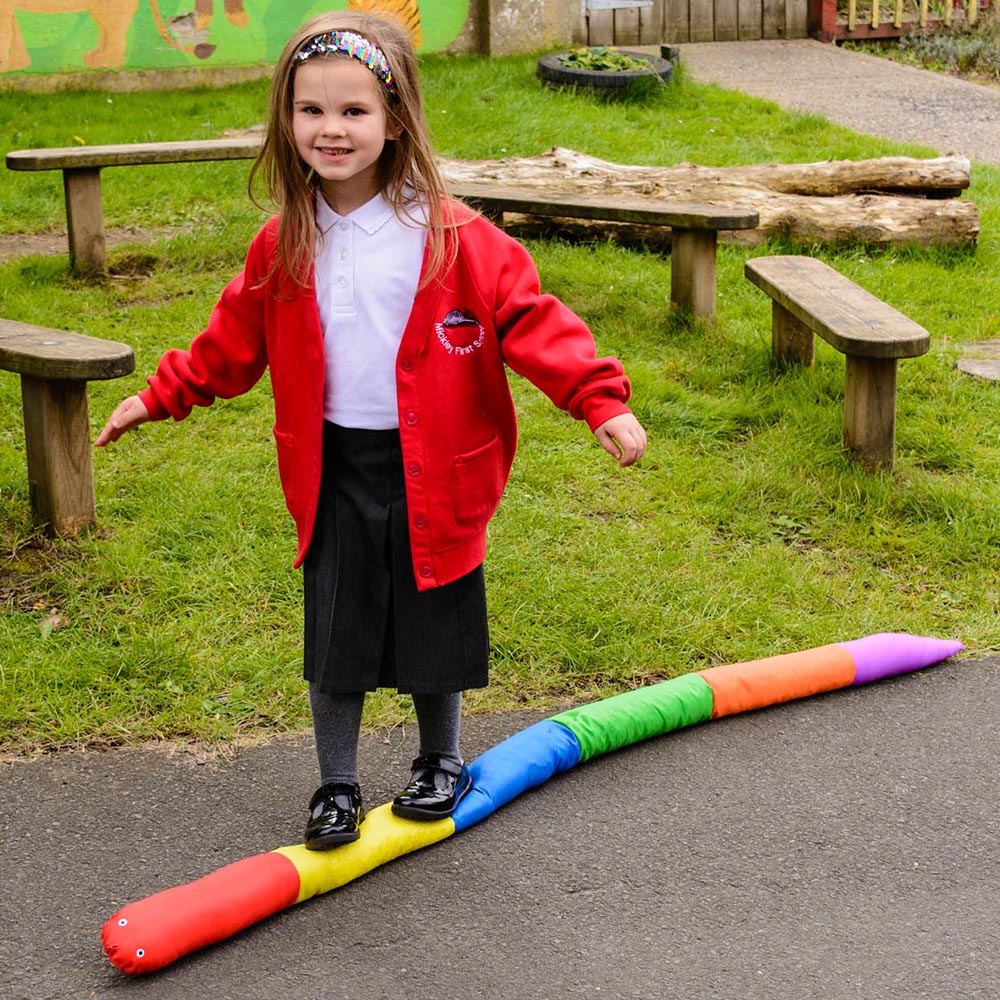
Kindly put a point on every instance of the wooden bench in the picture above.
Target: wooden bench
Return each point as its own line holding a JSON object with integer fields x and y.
{"x": 810, "y": 297}
{"x": 81, "y": 168}
{"x": 55, "y": 367}
{"x": 694, "y": 228}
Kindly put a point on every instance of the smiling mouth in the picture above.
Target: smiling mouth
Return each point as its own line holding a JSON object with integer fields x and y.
{"x": 334, "y": 150}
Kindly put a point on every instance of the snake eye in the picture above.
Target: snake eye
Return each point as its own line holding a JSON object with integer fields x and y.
{"x": 123, "y": 922}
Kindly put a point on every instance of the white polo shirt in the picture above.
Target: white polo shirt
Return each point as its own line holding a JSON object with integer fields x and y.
{"x": 367, "y": 271}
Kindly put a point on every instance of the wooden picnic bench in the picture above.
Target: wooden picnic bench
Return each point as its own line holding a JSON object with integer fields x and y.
{"x": 694, "y": 228}
{"x": 810, "y": 297}
{"x": 55, "y": 367}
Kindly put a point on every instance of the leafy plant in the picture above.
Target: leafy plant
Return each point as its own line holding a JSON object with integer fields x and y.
{"x": 974, "y": 50}
{"x": 603, "y": 59}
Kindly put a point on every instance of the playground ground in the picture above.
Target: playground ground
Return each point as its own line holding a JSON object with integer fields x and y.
{"x": 844, "y": 846}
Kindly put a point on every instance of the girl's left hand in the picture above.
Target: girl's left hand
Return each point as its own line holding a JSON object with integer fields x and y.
{"x": 623, "y": 438}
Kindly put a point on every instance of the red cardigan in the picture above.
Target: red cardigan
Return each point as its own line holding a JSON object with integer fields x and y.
{"x": 456, "y": 418}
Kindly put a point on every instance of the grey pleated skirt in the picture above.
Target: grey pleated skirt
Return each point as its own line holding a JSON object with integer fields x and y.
{"x": 366, "y": 624}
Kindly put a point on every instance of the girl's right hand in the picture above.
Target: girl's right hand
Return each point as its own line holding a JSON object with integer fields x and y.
{"x": 128, "y": 414}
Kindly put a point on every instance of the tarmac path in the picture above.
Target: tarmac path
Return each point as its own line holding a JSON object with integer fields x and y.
{"x": 844, "y": 847}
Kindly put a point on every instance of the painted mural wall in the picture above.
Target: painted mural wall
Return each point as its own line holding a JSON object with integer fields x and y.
{"x": 64, "y": 36}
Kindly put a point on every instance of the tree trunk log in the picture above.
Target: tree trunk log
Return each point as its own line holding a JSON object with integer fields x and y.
{"x": 883, "y": 202}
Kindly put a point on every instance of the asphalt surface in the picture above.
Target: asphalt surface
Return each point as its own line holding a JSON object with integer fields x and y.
{"x": 845, "y": 846}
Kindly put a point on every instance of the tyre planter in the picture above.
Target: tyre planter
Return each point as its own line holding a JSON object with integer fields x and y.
{"x": 551, "y": 70}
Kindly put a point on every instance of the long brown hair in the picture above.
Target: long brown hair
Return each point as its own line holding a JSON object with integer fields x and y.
{"x": 407, "y": 165}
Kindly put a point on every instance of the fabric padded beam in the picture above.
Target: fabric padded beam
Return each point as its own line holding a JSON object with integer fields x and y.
{"x": 155, "y": 931}
{"x": 149, "y": 934}
{"x": 615, "y": 722}
{"x": 384, "y": 837}
{"x": 520, "y": 762}
{"x": 890, "y": 653}
{"x": 740, "y": 687}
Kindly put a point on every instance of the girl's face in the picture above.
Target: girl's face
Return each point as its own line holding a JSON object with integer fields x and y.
{"x": 340, "y": 127}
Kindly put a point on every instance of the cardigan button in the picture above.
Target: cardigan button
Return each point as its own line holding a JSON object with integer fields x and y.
{"x": 420, "y": 521}
{"x": 425, "y": 570}
{"x": 406, "y": 364}
{"x": 413, "y": 469}
{"x": 411, "y": 419}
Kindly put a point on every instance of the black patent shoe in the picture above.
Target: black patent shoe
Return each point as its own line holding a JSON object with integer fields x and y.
{"x": 335, "y": 816}
{"x": 436, "y": 788}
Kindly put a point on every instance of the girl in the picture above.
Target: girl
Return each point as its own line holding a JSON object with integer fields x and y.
{"x": 385, "y": 314}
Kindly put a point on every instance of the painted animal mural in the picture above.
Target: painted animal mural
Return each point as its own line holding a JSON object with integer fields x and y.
{"x": 188, "y": 32}
{"x": 405, "y": 12}
{"x": 111, "y": 16}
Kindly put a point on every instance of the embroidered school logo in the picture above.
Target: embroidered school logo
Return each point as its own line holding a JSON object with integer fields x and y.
{"x": 460, "y": 332}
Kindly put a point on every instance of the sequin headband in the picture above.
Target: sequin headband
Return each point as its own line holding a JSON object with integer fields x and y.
{"x": 356, "y": 46}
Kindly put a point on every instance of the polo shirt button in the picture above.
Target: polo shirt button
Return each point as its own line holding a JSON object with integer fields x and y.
{"x": 420, "y": 521}
{"x": 425, "y": 570}
{"x": 413, "y": 469}
{"x": 411, "y": 418}
{"x": 406, "y": 364}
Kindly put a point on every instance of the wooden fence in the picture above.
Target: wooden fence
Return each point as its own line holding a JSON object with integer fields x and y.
{"x": 693, "y": 21}
{"x": 858, "y": 20}
{"x": 649, "y": 22}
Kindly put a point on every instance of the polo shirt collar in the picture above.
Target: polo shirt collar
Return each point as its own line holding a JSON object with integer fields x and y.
{"x": 369, "y": 217}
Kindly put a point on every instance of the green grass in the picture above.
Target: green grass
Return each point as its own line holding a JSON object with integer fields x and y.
{"x": 745, "y": 532}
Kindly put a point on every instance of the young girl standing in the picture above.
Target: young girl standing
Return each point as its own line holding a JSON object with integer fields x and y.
{"x": 385, "y": 314}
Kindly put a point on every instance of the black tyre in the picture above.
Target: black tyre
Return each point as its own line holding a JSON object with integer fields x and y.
{"x": 551, "y": 70}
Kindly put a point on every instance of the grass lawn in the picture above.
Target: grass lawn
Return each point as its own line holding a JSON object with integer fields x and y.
{"x": 744, "y": 533}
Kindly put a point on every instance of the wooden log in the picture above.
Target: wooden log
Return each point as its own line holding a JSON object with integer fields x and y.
{"x": 875, "y": 222}
{"x": 889, "y": 202}
{"x": 943, "y": 176}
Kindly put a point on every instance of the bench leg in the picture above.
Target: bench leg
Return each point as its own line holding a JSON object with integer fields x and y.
{"x": 487, "y": 210}
{"x": 85, "y": 218}
{"x": 57, "y": 440}
{"x": 791, "y": 340}
{"x": 692, "y": 270}
{"x": 870, "y": 410}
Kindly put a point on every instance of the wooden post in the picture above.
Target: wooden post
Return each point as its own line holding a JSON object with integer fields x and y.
{"x": 57, "y": 441}
{"x": 692, "y": 270}
{"x": 490, "y": 211}
{"x": 85, "y": 218}
{"x": 822, "y": 19}
{"x": 791, "y": 340}
{"x": 870, "y": 410}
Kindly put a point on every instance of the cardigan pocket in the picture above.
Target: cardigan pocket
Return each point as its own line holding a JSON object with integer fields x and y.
{"x": 285, "y": 444}
{"x": 479, "y": 480}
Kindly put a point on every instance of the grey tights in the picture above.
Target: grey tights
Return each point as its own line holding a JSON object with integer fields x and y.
{"x": 337, "y": 726}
